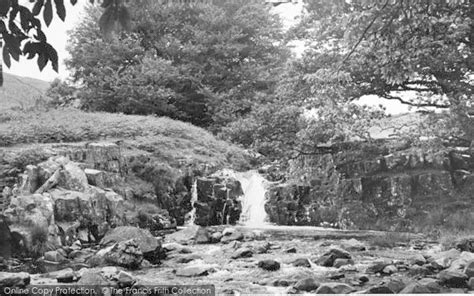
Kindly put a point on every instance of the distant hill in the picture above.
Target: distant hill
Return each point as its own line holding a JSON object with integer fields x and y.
{"x": 20, "y": 91}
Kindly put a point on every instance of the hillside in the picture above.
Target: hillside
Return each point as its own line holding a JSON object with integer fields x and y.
{"x": 20, "y": 91}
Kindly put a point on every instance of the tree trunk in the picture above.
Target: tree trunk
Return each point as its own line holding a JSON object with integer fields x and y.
{"x": 1, "y": 65}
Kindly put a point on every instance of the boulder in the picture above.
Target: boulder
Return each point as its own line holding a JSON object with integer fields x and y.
{"x": 269, "y": 264}
{"x": 377, "y": 266}
{"x": 17, "y": 279}
{"x": 72, "y": 177}
{"x": 54, "y": 256}
{"x": 229, "y": 236}
{"x": 380, "y": 289}
{"x": 444, "y": 259}
{"x": 389, "y": 269}
{"x": 291, "y": 250}
{"x": 334, "y": 288}
{"x": 64, "y": 276}
{"x": 470, "y": 284}
{"x": 307, "y": 285}
{"x": 190, "y": 235}
{"x": 148, "y": 244}
{"x": 452, "y": 279}
{"x": 415, "y": 288}
{"x": 242, "y": 253}
{"x": 216, "y": 237}
{"x": 329, "y": 257}
{"x": 93, "y": 278}
{"x": 301, "y": 262}
{"x": 125, "y": 254}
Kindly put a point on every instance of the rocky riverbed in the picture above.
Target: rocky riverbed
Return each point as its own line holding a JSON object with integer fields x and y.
{"x": 240, "y": 260}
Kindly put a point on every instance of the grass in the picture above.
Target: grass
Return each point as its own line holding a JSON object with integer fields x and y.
{"x": 168, "y": 140}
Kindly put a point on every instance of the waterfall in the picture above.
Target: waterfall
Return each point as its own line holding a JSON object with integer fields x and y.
{"x": 253, "y": 200}
{"x": 191, "y": 216}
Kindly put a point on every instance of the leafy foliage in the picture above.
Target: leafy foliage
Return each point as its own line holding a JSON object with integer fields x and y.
{"x": 22, "y": 34}
{"x": 207, "y": 64}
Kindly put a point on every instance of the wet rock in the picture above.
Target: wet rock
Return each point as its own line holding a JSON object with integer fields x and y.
{"x": 328, "y": 258}
{"x": 216, "y": 237}
{"x": 395, "y": 285}
{"x": 444, "y": 259}
{"x": 390, "y": 269}
{"x": 301, "y": 262}
{"x": 379, "y": 290}
{"x": 231, "y": 235}
{"x": 307, "y": 285}
{"x": 64, "y": 276}
{"x": 242, "y": 253}
{"x": 291, "y": 250}
{"x": 126, "y": 254}
{"x": 377, "y": 266}
{"x": 452, "y": 279}
{"x": 194, "y": 271}
{"x": 147, "y": 243}
{"x": 17, "y": 279}
{"x": 169, "y": 247}
{"x": 93, "y": 278}
{"x": 417, "y": 259}
{"x": 188, "y": 258}
{"x": 190, "y": 235}
{"x": 262, "y": 248}
{"x": 269, "y": 264}
{"x": 334, "y": 288}
{"x": 54, "y": 256}
{"x": 363, "y": 278}
{"x": 185, "y": 250}
{"x": 416, "y": 270}
{"x": 125, "y": 279}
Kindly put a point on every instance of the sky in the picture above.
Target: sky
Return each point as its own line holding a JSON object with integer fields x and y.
{"x": 57, "y": 36}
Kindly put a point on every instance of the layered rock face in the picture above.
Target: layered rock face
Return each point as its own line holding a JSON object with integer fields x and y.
{"x": 390, "y": 191}
{"x": 78, "y": 193}
{"x": 217, "y": 201}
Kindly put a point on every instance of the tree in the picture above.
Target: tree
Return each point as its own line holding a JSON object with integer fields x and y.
{"x": 217, "y": 61}
{"x": 21, "y": 31}
{"x": 391, "y": 48}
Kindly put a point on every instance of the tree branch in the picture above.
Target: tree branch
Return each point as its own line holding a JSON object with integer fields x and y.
{"x": 405, "y": 102}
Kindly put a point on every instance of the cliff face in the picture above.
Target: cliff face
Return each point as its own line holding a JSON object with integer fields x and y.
{"x": 374, "y": 190}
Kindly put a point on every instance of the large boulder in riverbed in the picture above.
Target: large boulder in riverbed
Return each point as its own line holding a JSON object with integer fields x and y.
{"x": 190, "y": 235}
{"x": 148, "y": 244}
{"x": 125, "y": 254}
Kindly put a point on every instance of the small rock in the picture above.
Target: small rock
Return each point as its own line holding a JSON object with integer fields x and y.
{"x": 395, "y": 285}
{"x": 233, "y": 235}
{"x": 342, "y": 262}
{"x": 126, "y": 254}
{"x": 329, "y": 257}
{"x": 307, "y": 285}
{"x": 291, "y": 250}
{"x": 242, "y": 253}
{"x": 431, "y": 284}
{"x": 418, "y": 259}
{"x": 301, "y": 262}
{"x": 377, "y": 266}
{"x": 453, "y": 279}
{"x": 125, "y": 279}
{"x": 193, "y": 271}
{"x": 337, "y": 276}
{"x": 64, "y": 276}
{"x": 17, "y": 279}
{"x": 216, "y": 237}
{"x": 187, "y": 259}
{"x": 379, "y": 290}
{"x": 363, "y": 278}
{"x": 54, "y": 256}
{"x": 262, "y": 248}
{"x": 334, "y": 288}
{"x": 185, "y": 250}
{"x": 269, "y": 264}
{"x": 389, "y": 269}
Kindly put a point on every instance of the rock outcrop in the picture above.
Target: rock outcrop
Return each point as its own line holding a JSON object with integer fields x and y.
{"x": 372, "y": 190}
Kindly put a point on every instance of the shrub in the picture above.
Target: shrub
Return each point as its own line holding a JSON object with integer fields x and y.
{"x": 39, "y": 241}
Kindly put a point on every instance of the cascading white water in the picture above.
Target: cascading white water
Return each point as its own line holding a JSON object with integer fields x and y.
{"x": 191, "y": 216}
{"x": 253, "y": 201}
